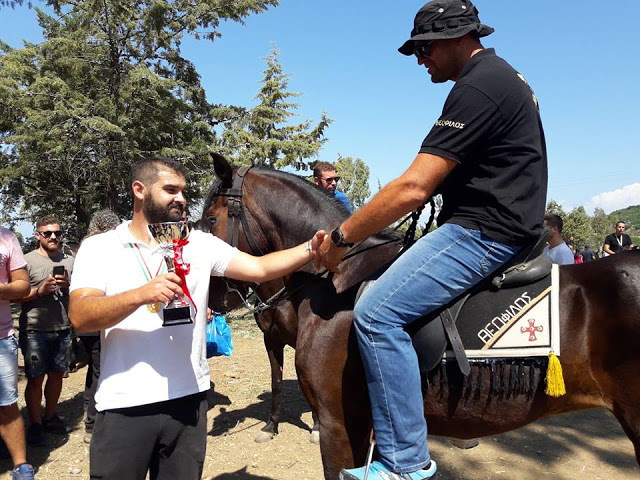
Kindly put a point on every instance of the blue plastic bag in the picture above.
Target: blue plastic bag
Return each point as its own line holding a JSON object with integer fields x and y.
{"x": 218, "y": 336}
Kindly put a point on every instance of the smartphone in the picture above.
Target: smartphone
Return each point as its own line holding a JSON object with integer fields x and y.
{"x": 58, "y": 270}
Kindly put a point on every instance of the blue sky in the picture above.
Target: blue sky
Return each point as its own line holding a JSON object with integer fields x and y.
{"x": 579, "y": 57}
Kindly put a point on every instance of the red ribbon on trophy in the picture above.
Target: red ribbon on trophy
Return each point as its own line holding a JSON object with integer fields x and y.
{"x": 182, "y": 268}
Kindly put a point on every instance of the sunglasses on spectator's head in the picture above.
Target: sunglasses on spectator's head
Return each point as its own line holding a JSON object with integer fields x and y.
{"x": 422, "y": 49}
{"x": 331, "y": 179}
{"x": 48, "y": 233}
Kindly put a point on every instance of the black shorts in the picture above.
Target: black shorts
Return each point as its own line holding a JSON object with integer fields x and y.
{"x": 168, "y": 439}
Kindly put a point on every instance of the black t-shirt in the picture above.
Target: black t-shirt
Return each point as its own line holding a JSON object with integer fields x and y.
{"x": 614, "y": 244}
{"x": 587, "y": 255}
{"x": 490, "y": 126}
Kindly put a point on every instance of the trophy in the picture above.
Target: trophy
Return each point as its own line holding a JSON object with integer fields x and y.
{"x": 171, "y": 237}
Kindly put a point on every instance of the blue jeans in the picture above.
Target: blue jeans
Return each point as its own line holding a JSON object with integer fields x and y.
{"x": 8, "y": 371}
{"x": 436, "y": 269}
{"x": 45, "y": 352}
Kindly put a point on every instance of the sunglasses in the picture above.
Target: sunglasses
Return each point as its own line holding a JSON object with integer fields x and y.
{"x": 48, "y": 233}
{"x": 422, "y": 49}
{"x": 332, "y": 179}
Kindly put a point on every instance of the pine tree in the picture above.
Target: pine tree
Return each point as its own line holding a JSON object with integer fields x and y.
{"x": 107, "y": 87}
{"x": 262, "y": 135}
{"x": 354, "y": 180}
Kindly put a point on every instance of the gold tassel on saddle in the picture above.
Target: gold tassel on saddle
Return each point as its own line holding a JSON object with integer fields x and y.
{"x": 555, "y": 381}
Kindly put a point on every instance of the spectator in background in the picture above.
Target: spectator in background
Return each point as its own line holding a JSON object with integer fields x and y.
{"x": 571, "y": 244}
{"x": 71, "y": 247}
{"x": 326, "y": 177}
{"x": 577, "y": 257}
{"x": 618, "y": 240}
{"x": 102, "y": 221}
{"x": 45, "y": 330}
{"x": 588, "y": 255}
{"x": 14, "y": 284}
{"x": 557, "y": 250}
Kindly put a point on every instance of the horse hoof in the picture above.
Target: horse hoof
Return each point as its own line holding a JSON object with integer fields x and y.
{"x": 264, "y": 437}
{"x": 315, "y": 437}
{"x": 464, "y": 444}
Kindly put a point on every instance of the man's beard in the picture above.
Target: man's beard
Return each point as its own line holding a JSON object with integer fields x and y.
{"x": 44, "y": 243}
{"x": 156, "y": 213}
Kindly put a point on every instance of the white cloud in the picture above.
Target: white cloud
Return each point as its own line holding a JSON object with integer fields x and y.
{"x": 616, "y": 199}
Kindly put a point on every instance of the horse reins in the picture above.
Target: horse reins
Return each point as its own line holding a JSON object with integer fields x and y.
{"x": 236, "y": 216}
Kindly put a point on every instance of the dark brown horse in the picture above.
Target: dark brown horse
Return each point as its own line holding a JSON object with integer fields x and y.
{"x": 600, "y": 330}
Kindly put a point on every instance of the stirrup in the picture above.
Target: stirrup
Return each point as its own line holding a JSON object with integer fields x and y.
{"x": 367, "y": 465}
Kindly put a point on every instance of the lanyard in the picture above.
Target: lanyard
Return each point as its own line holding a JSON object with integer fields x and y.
{"x": 153, "y": 307}
{"x": 143, "y": 265}
{"x": 619, "y": 239}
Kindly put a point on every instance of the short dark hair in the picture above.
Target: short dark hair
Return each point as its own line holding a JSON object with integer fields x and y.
{"x": 47, "y": 220}
{"x": 554, "y": 220}
{"x": 146, "y": 171}
{"x": 323, "y": 167}
{"x": 621, "y": 222}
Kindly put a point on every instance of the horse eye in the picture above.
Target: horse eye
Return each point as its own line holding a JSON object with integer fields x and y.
{"x": 212, "y": 220}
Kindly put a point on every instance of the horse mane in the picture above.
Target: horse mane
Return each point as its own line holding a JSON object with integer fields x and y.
{"x": 313, "y": 191}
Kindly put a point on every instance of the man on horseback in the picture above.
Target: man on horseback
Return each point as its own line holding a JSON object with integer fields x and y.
{"x": 486, "y": 155}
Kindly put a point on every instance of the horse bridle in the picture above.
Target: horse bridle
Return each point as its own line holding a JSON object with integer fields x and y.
{"x": 236, "y": 215}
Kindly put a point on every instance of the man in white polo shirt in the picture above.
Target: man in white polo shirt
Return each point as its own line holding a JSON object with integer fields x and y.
{"x": 151, "y": 397}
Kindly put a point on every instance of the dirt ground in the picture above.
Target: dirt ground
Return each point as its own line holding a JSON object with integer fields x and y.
{"x": 588, "y": 445}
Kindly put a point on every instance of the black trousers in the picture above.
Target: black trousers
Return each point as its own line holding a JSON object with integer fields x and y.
{"x": 91, "y": 345}
{"x": 168, "y": 439}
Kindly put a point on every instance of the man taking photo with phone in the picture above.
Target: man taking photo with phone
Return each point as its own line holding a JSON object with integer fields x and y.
{"x": 45, "y": 330}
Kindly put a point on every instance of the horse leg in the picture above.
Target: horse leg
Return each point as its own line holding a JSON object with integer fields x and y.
{"x": 315, "y": 431}
{"x": 345, "y": 427}
{"x": 275, "y": 350}
{"x": 342, "y": 410}
{"x": 337, "y": 447}
{"x": 628, "y": 415}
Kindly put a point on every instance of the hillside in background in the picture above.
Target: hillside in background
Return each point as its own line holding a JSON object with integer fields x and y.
{"x": 630, "y": 215}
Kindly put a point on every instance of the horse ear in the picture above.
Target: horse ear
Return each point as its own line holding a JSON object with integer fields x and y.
{"x": 223, "y": 169}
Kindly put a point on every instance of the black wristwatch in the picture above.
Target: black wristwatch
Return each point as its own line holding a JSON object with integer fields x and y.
{"x": 337, "y": 238}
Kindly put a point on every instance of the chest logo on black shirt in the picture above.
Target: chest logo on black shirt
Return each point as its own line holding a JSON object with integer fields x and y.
{"x": 535, "y": 100}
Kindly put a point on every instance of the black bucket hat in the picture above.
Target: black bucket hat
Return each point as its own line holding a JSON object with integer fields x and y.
{"x": 441, "y": 19}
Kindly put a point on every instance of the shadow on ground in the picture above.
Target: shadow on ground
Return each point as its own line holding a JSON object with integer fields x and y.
{"x": 72, "y": 410}
{"x": 294, "y": 406}
{"x": 241, "y": 474}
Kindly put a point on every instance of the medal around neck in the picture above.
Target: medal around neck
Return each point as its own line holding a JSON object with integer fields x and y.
{"x": 172, "y": 237}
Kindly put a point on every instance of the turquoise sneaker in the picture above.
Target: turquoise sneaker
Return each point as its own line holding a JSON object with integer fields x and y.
{"x": 377, "y": 471}
{"x": 23, "y": 472}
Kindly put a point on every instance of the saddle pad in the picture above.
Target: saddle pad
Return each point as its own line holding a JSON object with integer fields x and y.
{"x": 514, "y": 322}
